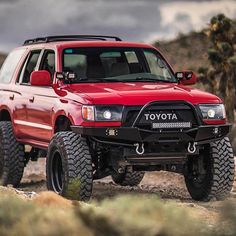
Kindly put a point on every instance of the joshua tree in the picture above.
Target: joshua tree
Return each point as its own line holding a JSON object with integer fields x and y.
{"x": 221, "y": 75}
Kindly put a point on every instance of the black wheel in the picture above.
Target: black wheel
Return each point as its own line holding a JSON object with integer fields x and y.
{"x": 69, "y": 166}
{"x": 211, "y": 174}
{"x": 11, "y": 156}
{"x": 128, "y": 178}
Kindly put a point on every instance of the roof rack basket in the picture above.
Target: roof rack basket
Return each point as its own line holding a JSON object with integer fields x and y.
{"x": 69, "y": 38}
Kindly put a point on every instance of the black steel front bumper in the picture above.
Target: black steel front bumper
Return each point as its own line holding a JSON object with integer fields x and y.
{"x": 202, "y": 134}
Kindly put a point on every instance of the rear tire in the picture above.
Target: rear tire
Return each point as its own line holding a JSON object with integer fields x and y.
{"x": 128, "y": 178}
{"x": 69, "y": 166}
{"x": 11, "y": 156}
{"x": 211, "y": 174}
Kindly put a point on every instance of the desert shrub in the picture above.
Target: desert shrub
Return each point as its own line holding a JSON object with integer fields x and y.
{"x": 135, "y": 215}
{"x": 220, "y": 76}
{"x": 21, "y": 217}
{"x": 121, "y": 216}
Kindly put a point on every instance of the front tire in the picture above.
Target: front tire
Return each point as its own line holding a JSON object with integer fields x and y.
{"x": 69, "y": 166}
{"x": 211, "y": 174}
{"x": 11, "y": 156}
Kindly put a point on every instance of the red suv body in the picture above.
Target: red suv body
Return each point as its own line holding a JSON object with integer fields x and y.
{"x": 115, "y": 94}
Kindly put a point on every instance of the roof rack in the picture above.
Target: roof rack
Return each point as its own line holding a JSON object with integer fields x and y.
{"x": 48, "y": 39}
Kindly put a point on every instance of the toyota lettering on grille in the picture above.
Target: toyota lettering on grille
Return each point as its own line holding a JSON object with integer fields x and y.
{"x": 160, "y": 116}
{"x": 164, "y": 120}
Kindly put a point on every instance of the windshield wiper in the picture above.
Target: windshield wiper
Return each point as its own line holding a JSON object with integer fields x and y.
{"x": 78, "y": 80}
{"x": 106, "y": 80}
{"x": 137, "y": 79}
{"x": 149, "y": 79}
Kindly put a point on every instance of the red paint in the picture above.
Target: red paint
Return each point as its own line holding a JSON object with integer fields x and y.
{"x": 139, "y": 93}
{"x": 42, "y": 105}
{"x": 214, "y": 122}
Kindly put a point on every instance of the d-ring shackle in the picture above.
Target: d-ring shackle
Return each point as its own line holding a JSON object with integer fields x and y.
{"x": 137, "y": 145}
{"x": 192, "y": 147}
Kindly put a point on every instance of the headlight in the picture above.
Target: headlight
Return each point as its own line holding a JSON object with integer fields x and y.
{"x": 102, "y": 113}
{"x": 213, "y": 111}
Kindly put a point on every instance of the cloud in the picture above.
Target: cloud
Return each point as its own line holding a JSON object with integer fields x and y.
{"x": 139, "y": 20}
{"x": 199, "y": 14}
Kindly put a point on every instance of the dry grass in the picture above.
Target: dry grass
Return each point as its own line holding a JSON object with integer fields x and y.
{"x": 51, "y": 199}
{"x": 50, "y": 214}
{"x": 38, "y": 217}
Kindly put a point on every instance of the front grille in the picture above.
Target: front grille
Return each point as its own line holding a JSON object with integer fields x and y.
{"x": 184, "y": 112}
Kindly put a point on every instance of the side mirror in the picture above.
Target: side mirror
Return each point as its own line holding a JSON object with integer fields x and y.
{"x": 40, "y": 78}
{"x": 186, "y": 77}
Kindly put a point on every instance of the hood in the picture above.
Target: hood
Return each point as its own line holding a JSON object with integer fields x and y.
{"x": 139, "y": 93}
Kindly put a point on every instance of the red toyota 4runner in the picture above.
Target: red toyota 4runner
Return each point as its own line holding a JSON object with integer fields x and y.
{"x": 97, "y": 106}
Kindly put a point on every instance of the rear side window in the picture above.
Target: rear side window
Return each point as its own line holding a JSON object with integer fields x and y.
{"x": 30, "y": 66}
{"x": 10, "y": 65}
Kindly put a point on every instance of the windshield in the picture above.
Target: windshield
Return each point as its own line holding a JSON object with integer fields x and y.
{"x": 121, "y": 64}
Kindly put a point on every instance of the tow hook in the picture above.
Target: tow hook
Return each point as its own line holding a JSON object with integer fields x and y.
{"x": 192, "y": 147}
{"x": 139, "y": 148}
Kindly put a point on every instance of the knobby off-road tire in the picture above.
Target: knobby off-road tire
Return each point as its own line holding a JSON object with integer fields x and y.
{"x": 219, "y": 166}
{"x": 11, "y": 156}
{"x": 128, "y": 178}
{"x": 69, "y": 166}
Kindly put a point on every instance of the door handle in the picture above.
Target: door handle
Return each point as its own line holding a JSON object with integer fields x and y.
{"x": 31, "y": 99}
{"x": 11, "y": 97}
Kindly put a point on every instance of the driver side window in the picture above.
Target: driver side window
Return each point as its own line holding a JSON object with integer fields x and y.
{"x": 156, "y": 65}
{"x": 48, "y": 62}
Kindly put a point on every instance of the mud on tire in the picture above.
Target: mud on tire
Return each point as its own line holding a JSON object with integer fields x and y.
{"x": 69, "y": 166}
{"x": 11, "y": 156}
{"x": 218, "y": 165}
{"x": 128, "y": 178}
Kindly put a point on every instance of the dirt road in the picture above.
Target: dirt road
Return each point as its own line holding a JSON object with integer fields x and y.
{"x": 167, "y": 185}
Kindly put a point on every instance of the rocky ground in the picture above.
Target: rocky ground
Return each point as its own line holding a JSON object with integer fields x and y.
{"x": 169, "y": 186}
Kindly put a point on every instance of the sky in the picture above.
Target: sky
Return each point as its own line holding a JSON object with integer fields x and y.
{"x": 132, "y": 20}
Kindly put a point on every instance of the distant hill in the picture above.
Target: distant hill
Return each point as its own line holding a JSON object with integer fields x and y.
{"x": 186, "y": 51}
